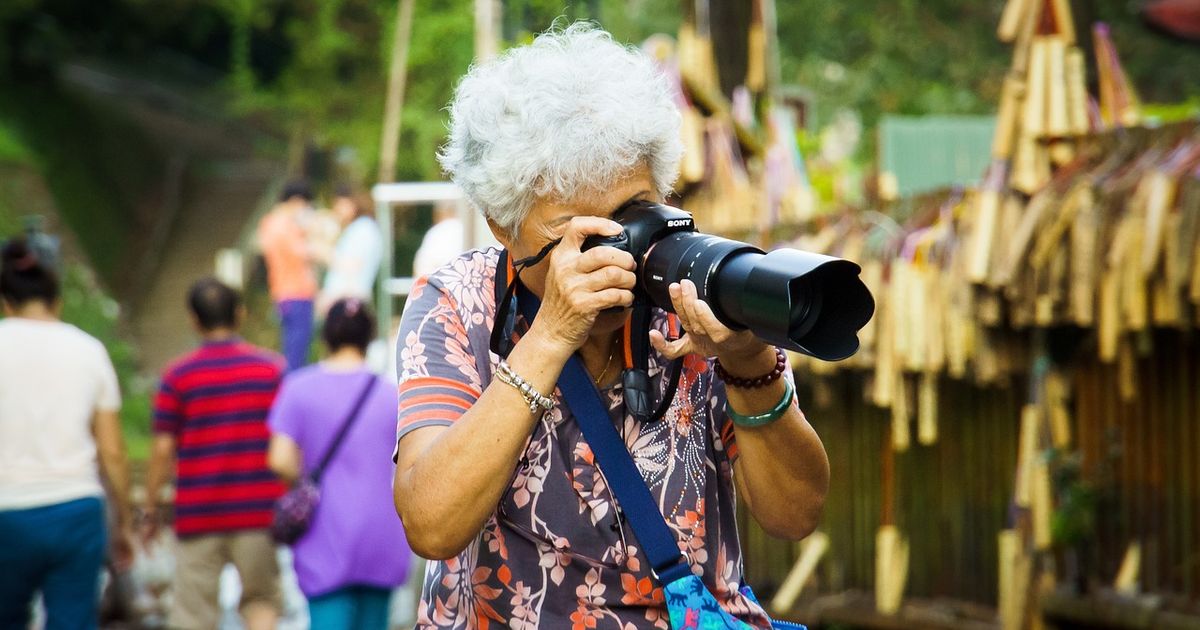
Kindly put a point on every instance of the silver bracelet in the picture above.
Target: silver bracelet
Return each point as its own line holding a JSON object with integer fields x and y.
{"x": 531, "y": 396}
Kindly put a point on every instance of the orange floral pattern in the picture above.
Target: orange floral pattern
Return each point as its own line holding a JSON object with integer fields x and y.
{"x": 557, "y": 552}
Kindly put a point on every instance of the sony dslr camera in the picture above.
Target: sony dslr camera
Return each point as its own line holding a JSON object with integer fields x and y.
{"x": 809, "y": 303}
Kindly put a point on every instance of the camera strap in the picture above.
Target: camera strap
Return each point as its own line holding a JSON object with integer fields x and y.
{"x": 635, "y": 377}
{"x": 612, "y": 456}
{"x": 686, "y": 594}
{"x": 505, "y": 323}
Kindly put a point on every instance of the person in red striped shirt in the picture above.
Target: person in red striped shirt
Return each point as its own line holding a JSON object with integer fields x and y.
{"x": 210, "y": 419}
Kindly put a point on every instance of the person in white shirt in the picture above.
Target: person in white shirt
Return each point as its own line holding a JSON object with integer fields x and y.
{"x": 444, "y": 241}
{"x": 59, "y": 430}
{"x": 357, "y": 254}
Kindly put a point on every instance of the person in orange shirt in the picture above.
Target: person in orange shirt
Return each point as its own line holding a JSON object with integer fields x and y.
{"x": 290, "y": 272}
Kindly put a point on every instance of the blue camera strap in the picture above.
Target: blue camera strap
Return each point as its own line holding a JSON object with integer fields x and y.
{"x": 636, "y": 504}
{"x": 612, "y": 456}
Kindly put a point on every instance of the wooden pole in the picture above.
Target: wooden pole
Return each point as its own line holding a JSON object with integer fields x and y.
{"x": 389, "y": 144}
{"x": 774, "y": 54}
{"x": 487, "y": 24}
{"x": 728, "y": 31}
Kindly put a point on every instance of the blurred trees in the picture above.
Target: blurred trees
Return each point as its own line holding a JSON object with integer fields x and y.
{"x": 942, "y": 56}
{"x": 332, "y": 90}
{"x": 314, "y": 69}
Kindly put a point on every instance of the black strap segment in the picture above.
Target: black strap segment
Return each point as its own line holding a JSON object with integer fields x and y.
{"x": 346, "y": 424}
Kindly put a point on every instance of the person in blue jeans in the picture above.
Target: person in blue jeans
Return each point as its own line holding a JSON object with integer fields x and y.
{"x": 354, "y": 552}
{"x": 291, "y": 275}
{"x": 59, "y": 429}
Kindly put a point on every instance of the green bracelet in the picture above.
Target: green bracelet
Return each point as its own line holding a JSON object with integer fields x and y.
{"x": 758, "y": 420}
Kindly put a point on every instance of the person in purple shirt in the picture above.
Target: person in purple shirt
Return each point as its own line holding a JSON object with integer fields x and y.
{"x": 354, "y": 553}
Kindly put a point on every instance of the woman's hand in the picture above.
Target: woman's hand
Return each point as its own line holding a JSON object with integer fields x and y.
{"x": 121, "y": 547}
{"x": 148, "y": 530}
{"x": 740, "y": 352}
{"x": 579, "y": 285}
{"x": 785, "y": 494}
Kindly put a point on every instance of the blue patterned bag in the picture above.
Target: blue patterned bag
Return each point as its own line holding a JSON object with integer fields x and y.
{"x": 691, "y": 605}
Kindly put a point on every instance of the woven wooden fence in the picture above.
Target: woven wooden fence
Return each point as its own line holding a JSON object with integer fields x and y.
{"x": 953, "y": 497}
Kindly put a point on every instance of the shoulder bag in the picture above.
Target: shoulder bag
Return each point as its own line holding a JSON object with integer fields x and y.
{"x": 294, "y": 510}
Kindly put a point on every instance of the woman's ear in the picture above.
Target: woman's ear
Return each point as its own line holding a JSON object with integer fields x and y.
{"x": 501, "y": 234}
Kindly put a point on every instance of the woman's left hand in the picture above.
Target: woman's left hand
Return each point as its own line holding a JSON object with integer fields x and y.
{"x": 707, "y": 336}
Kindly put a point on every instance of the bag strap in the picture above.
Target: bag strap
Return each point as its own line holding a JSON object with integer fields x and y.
{"x": 346, "y": 424}
{"x": 667, "y": 562}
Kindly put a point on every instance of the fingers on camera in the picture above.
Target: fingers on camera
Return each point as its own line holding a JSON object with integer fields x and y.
{"x": 581, "y": 227}
{"x": 600, "y": 257}
{"x": 608, "y": 298}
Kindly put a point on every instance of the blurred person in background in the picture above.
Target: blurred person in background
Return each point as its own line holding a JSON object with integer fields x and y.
{"x": 443, "y": 242}
{"x": 354, "y": 552}
{"x": 354, "y": 264}
{"x": 291, "y": 274}
{"x": 210, "y": 419}
{"x": 59, "y": 404}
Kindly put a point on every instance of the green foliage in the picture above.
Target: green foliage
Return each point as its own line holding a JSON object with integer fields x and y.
{"x": 942, "y": 56}
{"x": 333, "y": 88}
{"x": 1074, "y": 520}
{"x": 893, "y": 57}
{"x": 1173, "y": 112}
{"x": 318, "y": 68}
{"x": 628, "y": 20}
{"x": 442, "y": 50}
{"x": 12, "y": 149}
{"x": 95, "y": 164}
{"x": 1163, "y": 69}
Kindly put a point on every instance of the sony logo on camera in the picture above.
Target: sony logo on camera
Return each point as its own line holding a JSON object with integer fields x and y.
{"x": 679, "y": 223}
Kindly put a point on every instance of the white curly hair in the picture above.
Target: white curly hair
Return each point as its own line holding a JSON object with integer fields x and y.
{"x": 565, "y": 116}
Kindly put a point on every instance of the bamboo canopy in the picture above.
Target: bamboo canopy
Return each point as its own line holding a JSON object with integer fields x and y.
{"x": 1086, "y": 221}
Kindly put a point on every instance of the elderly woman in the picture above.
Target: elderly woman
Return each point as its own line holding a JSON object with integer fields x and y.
{"x": 548, "y": 142}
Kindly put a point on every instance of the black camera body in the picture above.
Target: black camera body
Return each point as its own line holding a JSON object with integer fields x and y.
{"x": 645, "y": 223}
{"x": 798, "y": 300}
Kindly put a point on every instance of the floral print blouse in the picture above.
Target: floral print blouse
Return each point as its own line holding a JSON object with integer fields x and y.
{"x": 556, "y": 553}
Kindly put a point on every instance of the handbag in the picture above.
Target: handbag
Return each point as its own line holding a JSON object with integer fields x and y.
{"x": 689, "y": 602}
{"x": 294, "y": 510}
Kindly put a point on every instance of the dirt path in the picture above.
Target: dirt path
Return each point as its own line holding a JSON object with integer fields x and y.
{"x": 214, "y": 182}
{"x": 219, "y": 200}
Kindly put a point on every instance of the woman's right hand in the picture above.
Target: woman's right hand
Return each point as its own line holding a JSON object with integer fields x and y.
{"x": 580, "y": 285}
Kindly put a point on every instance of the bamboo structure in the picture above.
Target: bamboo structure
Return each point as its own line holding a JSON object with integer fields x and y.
{"x": 1086, "y": 228}
{"x": 946, "y": 430}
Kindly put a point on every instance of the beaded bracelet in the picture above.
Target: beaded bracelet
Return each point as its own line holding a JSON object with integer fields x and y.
{"x": 760, "y": 419}
{"x": 753, "y": 383}
{"x": 532, "y": 397}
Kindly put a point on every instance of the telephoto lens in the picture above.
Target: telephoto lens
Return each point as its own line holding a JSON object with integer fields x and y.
{"x": 806, "y": 302}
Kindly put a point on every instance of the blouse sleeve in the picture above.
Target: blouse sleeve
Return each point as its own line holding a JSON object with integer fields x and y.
{"x": 438, "y": 377}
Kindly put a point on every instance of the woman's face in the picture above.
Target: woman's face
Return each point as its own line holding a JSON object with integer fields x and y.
{"x": 548, "y": 219}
